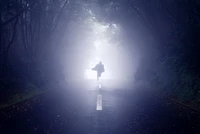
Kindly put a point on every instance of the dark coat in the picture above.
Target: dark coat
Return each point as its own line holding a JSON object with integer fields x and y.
{"x": 99, "y": 68}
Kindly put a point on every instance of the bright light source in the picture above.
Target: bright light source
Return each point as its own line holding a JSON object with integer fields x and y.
{"x": 103, "y": 34}
{"x": 96, "y": 41}
{"x": 89, "y": 74}
{"x": 97, "y": 44}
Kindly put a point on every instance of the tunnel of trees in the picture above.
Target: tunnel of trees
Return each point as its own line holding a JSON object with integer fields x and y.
{"x": 30, "y": 31}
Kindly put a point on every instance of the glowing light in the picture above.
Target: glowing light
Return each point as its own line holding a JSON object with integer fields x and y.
{"x": 103, "y": 40}
{"x": 89, "y": 74}
{"x": 96, "y": 44}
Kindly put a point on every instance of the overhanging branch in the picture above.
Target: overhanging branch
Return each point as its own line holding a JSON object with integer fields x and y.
{"x": 18, "y": 14}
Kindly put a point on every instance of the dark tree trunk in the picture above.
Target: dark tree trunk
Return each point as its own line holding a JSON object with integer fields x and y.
{"x": 10, "y": 43}
{"x": 1, "y": 46}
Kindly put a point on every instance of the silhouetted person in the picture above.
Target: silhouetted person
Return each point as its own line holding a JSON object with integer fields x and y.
{"x": 99, "y": 68}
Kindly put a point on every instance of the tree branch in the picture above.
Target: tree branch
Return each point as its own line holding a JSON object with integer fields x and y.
{"x": 142, "y": 18}
{"x": 17, "y": 15}
{"x": 60, "y": 15}
{"x": 13, "y": 36}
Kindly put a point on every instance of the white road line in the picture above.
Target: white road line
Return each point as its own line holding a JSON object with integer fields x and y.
{"x": 99, "y": 85}
{"x": 99, "y": 102}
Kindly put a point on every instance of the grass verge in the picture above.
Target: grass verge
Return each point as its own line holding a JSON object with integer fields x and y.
{"x": 20, "y": 97}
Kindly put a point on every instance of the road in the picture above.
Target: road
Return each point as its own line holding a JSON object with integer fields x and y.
{"x": 76, "y": 109}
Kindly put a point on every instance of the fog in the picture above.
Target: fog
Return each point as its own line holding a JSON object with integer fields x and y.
{"x": 89, "y": 40}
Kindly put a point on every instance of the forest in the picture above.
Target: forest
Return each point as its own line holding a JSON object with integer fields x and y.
{"x": 31, "y": 32}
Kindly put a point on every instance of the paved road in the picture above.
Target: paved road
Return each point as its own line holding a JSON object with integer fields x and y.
{"x": 73, "y": 110}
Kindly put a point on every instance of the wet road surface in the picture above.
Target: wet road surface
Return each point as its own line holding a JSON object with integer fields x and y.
{"x": 73, "y": 110}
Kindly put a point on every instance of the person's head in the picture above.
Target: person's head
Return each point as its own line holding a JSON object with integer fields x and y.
{"x": 100, "y": 62}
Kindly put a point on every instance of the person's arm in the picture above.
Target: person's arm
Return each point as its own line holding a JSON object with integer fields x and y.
{"x": 94, "y": 68}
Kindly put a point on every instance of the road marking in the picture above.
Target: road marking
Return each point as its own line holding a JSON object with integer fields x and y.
{"x": 99, "y": 85}
{"x": 99, "y": 102}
